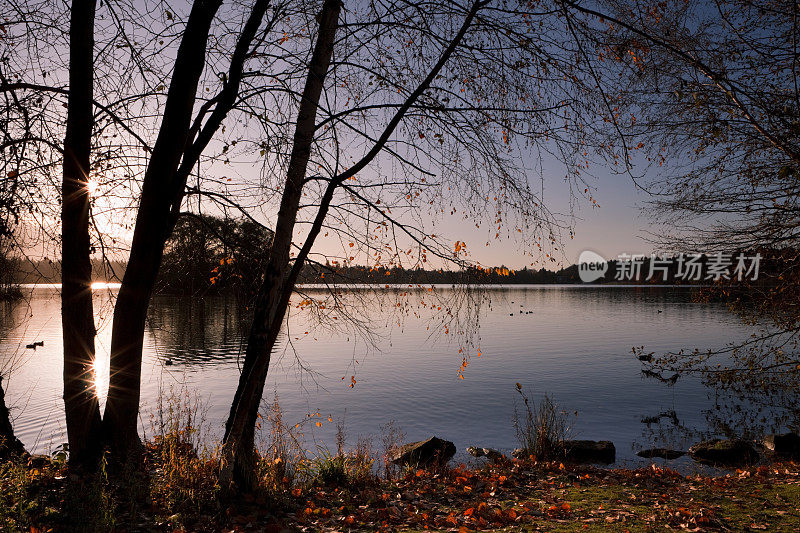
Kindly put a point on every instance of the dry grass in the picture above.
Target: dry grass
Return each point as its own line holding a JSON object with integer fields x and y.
{"x": 541, "y": 428}
{"x": 184, "y": 472}
{"x": 176, "y": 488}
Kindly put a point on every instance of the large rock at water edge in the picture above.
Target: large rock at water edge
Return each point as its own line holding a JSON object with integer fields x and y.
{"x": 589, "y": 451}
{"x": 787, "y": 444}
{"x": 425, "y": 452}
{"x": 724, "y": 452}
{"x": 474, "y": 451}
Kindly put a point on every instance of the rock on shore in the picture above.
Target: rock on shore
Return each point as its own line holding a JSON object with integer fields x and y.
{"x": 580, "y": 451}
{"x": 724, "y": 452}
{"x": 787, "y": 444}
{"x": 424, "y": 453}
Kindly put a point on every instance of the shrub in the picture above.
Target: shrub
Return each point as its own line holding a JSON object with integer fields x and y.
{"x": 391, "y": 438}
{"x": 279, "y": 454}
{"x": 542, "y": 427}
{"x": 341, "y": 470}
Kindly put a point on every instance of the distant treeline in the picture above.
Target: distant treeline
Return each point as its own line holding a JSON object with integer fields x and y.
{"x": 378, "y": 275}
{"x": 686, "y": 269}
{"x": 492, "y": 275}
{"x": 49, "y": 271}
{"x": 190, "y": 268}
{"x": 210, "y": 255}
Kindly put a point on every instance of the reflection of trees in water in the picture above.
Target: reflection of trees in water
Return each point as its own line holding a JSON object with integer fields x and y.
{"x": 14, "y": 317}
{"x": 194, "y": 330}
{"x": 665, "y": 430}
{"x": 191, "y": 330}
{"x": 738, "y": 411}
{"x": 367, "y": 314}
{"x": 741, "y": 410}
{"x": 6, "y": 309}
{"x": 7, "y": 320}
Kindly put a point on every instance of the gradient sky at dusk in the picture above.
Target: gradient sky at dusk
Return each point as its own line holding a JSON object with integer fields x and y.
{"x": 618, "y": 226}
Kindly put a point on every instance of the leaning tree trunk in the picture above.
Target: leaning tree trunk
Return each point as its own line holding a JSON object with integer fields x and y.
{"x": 10, "y": 445}
{"x": 273, "y": 297}
{"x": 154, "y": 222}
{"x": 127, "y": 338}
{"x": 176, "y": 151}
{"x": 77, "y": 316}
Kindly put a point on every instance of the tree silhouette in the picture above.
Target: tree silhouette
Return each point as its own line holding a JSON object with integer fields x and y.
{"x": 354, "y": 124}
{"x": 716, "y": 98}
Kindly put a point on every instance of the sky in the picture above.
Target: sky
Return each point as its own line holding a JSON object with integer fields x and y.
{"x": 618, "y": 226}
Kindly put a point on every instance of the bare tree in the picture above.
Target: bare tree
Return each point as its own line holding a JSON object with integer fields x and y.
{"x": 713, "y": 95}
{"x": 352, "y": 124}
{"x": 273, "y": 297}
{"x": 716, "y": 96}
{"x": 180, "y": 142}
{"x": 469, "y": 93}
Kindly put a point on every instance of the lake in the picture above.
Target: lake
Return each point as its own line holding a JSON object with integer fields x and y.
{"x": 401, "y": 347}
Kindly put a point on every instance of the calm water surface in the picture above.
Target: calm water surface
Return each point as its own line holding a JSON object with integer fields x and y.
{"x": 573, "y": 342}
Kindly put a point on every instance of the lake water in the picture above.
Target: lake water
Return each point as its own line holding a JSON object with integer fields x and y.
{"x": 573, "y": 342}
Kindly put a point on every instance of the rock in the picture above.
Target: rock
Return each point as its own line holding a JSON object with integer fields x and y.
{"x": 492, "y": 454}
{"x": 580, "y": 451}
{"x": 663, "y": 453}
{"x": 783, "y": 444}
{"x": 724, "y": 452}
{"x": 424, "y": 452}
{"x": 475, "y": 452}
{"x": 589, "y": 451}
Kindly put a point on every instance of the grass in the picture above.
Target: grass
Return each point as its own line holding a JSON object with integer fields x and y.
{"x": 340, "y": 469}
{"x": 529, "y": 496}
{"x": 179, "y": 492}
{"x": 343, "y": 468}
{"x": 541, "y": 428}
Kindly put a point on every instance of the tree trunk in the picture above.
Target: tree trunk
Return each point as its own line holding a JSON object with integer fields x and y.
{"x": 77, "y": 316}
{"x": 154, "y": 222}
{"x": 10, "y": 445}
{"x": 273, "y": 296}
{"x": 175, "y": 153}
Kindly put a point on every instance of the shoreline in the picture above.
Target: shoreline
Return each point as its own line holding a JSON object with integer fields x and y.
{"x": 178, "y": 491}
